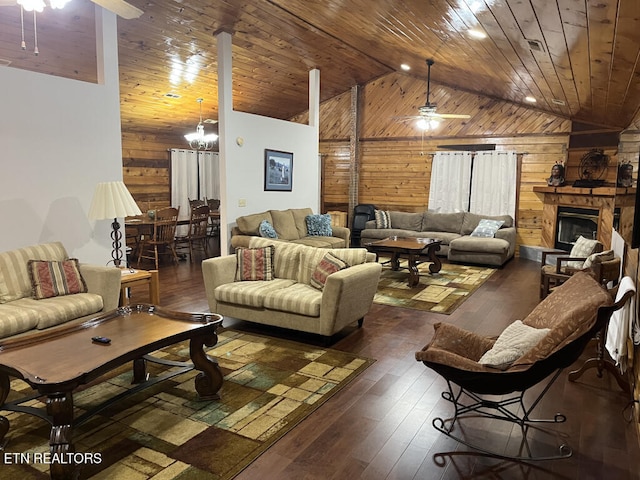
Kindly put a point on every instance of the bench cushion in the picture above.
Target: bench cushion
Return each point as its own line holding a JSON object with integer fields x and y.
{"x": 250, "y": 293}
{"x": 298, "y": 298}
{"x": 16, "y": 319}
{"x": 57, "y": 310}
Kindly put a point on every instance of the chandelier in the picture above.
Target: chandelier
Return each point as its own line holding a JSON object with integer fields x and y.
{"x": 198, "y": 140}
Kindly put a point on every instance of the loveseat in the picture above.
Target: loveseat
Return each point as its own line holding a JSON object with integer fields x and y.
{"x": 290, "y": 226}
{"x": 454, "y": 230}
{"x": 291, "y": 293}
{"x": 52, "y": 275}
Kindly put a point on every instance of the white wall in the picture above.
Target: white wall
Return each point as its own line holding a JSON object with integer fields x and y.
{"x": 58, "y": 139}
{"x": 242, "y": 166}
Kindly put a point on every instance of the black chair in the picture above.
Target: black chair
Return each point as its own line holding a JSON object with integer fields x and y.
{"x": 361, "y": 214}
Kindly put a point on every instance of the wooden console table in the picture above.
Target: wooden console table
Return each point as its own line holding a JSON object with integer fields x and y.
{"x": 139, "y": 277}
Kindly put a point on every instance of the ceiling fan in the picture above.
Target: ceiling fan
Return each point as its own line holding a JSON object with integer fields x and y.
{"x": 427, "y": 115}
{"x": 119, "y": 7}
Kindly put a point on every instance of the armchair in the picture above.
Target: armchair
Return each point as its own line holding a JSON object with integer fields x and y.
{"x": 559, "y": 329}
{"x": 567, "y": 264}
{"x": 604, "y": 266}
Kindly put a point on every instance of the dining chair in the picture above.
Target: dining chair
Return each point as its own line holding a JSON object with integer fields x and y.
{"x": 162, "y": 238}
{"x": 196, "y": 236}
{"x": 193, "y": 203}
{"x": 214, "y": 220}
{"x": 132, "y": 236}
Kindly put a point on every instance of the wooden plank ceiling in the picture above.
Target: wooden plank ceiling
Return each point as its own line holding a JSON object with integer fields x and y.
{"x": 577, "y": 58}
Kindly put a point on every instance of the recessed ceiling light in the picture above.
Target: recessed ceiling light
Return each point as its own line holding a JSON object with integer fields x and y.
{"x": 530, "y": 99}
{"x": 477, "y": 34}
{"x": 405, "y": 67}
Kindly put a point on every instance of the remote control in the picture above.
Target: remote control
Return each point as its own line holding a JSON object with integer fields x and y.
{"x": 103, "y": 340}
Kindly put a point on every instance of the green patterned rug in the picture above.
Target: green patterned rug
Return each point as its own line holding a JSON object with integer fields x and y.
{"x": 165, "y": 432}
{"x": 441, "y": 292}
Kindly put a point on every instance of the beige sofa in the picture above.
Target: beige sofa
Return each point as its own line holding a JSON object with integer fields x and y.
{"x": 289, "y": 300}
{"x": 290, "y": 226}
{"x": 20, "y": 313}
{"x": 454, "y": 230}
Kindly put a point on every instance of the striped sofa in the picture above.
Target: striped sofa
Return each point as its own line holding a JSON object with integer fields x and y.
{"x": 289, "y": 300}
{"x": 20, "y": 312}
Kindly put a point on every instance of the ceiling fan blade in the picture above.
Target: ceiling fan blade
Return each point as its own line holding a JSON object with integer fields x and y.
{"x": 407, "y": 118}
{"x": 120, "y": 8}
{"x": 451, "y": 115}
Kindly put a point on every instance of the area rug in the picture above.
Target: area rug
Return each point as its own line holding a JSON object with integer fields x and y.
{"x": 442, "y": 292}
{"x": 165, "y": 432}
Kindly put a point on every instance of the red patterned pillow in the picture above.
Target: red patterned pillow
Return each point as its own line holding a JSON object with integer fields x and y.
{"x": 54, "y": 279}
{"x": 328, "y": 265}
{"x": 255, "y": 263}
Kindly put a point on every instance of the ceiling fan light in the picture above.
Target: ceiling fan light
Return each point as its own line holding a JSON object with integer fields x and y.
{"x": 58, "y": 3}
{"x": 422, "y": 124}
{"x": 31, "y": 5}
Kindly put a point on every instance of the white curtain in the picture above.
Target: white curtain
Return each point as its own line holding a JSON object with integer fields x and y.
{"x": 450, "y": 182}
{"x": 186, "y": 167}
{"x": 493, "y": 184}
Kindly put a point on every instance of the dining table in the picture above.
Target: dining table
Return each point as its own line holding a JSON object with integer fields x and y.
{"x": 139, "y": 225}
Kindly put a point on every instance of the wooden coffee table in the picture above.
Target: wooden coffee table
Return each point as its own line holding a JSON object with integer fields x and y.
{"x": 413, "y": 249}
{"x": 55, "y": 363}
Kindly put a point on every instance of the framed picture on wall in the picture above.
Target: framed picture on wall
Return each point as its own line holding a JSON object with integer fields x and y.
{"x": 278, "y": 171}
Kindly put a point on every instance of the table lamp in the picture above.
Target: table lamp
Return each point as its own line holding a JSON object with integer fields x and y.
{"x": 113, "y": 200}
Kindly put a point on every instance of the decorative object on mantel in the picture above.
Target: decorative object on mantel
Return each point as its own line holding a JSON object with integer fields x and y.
{"x": 593, "y": 166}
{"x": 198, "y": 140}
{"x": 625, "y": 175}
{"x": 113, "y": 200}
{"x": 557, "y": 176}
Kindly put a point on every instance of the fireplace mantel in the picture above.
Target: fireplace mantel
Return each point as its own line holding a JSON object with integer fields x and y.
{"x": 604, "y": 199}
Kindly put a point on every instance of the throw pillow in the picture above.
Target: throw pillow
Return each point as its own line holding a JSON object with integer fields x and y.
{"x": 595, "y": 258}
{"x": 328, "y": 265}
{"x": 516, "y": 340}
{"x": 55, "y": 279}
{"x": 583, "y": 248}
{"x": 254, "y": 264}
{"x": 266, "y": 230}
{"x": 383, "y": 219}
{"x": 319, "y": 225}
{"x": 487, "y": 228}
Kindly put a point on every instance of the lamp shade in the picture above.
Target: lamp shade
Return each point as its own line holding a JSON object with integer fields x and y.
{"x": 112, "y": 200}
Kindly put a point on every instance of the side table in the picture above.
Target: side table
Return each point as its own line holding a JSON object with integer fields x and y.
{"x": 139, "y": 277}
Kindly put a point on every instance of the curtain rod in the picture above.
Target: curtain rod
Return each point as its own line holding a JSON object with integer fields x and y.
{"x": 472, "y": 152}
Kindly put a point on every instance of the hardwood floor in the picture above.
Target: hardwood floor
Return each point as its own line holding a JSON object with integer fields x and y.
{"x": 379, "y": 427}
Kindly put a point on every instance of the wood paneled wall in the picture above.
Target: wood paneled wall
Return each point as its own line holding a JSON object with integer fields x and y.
{"x": 395, "y": 158}
{"x": 146, "y": 168}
